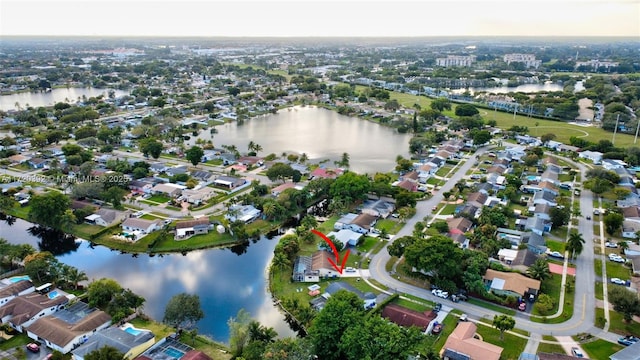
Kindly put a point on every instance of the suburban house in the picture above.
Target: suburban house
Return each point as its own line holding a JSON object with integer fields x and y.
{"x": 158, "y": 167}
{"x": 160, "y": 349}
{"x": 244, "y": 213}
{"x": 229, "y": 182}
{"x": 6, "y": 187}
{"x": 535, "y": 242}
{"x": 24, "y": 310}
{"x": 345, "y": 236}
{"x": 462, "y": 344}
{"x": 188, "y": 228}
{"x": 511, "y": 283}
{"x": 168, "y": 189}
{"x": 127, "y": 343}
{"x": 629, "y": 353}
{"x": 140, "y": 186}
{"x": 302, "y": 271}
{"x": 199, "y": 196}
{"x": 202, "y": 175}
{"x": 519, "y": 260}
{"x": 276, "y": 191}
{"x": 38, "y": 163}
{"x": 322, "y": 173}
{"x": 407, "y": 184}
{"x": 632, "y": 250}
{"x": 106, "y": 217}
{"x": 406, "y": 317}
{"x": 68, "y": 328}
{"x": 629, "y": 229}
{"x": 320, "y": 263}
{"x": 459, "y": 225}
{"x": 631, "y": 213}
{"x": 635, "y": 264}
{"x": 177, "y": 170}
{"x": 18, "y": 159}
{"x": 143, "y": 226}
{"x": 537, "y": 225}
{"x": 425, "y": 172}
{"x": 381, "y": 208}
{"x": 594, "y": 156}
{"x": 544, "y": 197}
{"x": 369, "y": 299}
{"x": 10, "y": 290}
{"x": 362, "y": 223}
{"x": 613, "y": 164}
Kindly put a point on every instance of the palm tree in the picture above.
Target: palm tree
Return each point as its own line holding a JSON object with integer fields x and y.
{"x": 257, "y": 148}
{"x": 251, "y": 145}
{"x": 304, "y": 158}
{"x": 75, "y": 276}
{"x": 575, "y": 244}
{"x": 539, "y": 270}
{"x": 623, "y": 245}
{"x": 280, "y": 261}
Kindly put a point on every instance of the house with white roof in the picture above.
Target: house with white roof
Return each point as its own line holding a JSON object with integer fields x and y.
{"x": 594, "y": 156}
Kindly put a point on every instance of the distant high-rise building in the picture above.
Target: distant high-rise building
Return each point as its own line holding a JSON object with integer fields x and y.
{"x": 529, "y": 60}
{"x": 596, "y": 64}
{"x": 456, "y": 60}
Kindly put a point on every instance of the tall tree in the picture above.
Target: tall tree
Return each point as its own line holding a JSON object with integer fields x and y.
{"x": 624, "y": 302}
{"x": 539, "y": 269}
{"x": 503, "y": 323}
{"x": 194, "y": 155}
{"x": 575, "y": 244}
{"x": 342, "y": 310}
{"x": 183, "y": 311}
{"x": 48, "y": 209}
{"x": 613, "y": 222}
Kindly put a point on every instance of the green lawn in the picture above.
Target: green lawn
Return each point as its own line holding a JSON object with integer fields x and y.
{"x": 551, "y": 348}
{"x": 392, "y": 226}
{"x": 443, "y": 171}
{"x": 449, "y": 209}
{"x": 555, "y": 245}
{"x": 597, "y": 266}
{"x": 600, "y": 349}
{"x": 411, "y": 305}
{"x": 84, "y": 231}
{"x": 551, "y": 287}
{"x": 18, "y": 340}
{"x": 599, "y": 294}
{"x": 437, "y": 342}
{"x": 513, "y": 345}
{"x": 600, "y": 319}
{"x": 492, "y": 306}
{"x": 617, "y": 270}
{"x": 159, "y": 199}
{"x": 619, "y": 326}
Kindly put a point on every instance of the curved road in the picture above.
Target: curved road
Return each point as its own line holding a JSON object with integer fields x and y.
{"x": 584, "y": 302}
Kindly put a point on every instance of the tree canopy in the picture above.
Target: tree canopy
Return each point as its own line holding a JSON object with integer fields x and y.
{"x": 194, "y": 155}
{"x": 183, "y": 311}
{"x": 48, "y": 209}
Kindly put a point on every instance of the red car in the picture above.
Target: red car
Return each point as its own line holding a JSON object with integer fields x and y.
{"x": 33, "y": 347}
{"x": 522, "y": 306}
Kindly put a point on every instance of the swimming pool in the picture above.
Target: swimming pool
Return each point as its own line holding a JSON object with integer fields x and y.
{"x": 173, "y": 352}
{"x": 52, "y": 295}
{"x": 132, "y": 331}
{"x": 16, "y": 279}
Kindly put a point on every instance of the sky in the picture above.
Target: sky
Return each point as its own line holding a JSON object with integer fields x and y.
{"x": 330, "y": 18}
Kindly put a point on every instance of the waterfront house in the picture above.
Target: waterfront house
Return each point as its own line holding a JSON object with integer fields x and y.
{"x": 322, "y": 173}
{"x": 143, "y": 226}
{"x": 321, "y": 264}
{"x": 244, "y": 213}
{"x": 302, "y": 270}
{"x": 68, "y": 328}
{"x": 188, "y": 228}
{"x": 22, "y": 311}
{"x": 107, "y": 217}
{"x": 128, "y": 343}
{"x": 10, "y": 289}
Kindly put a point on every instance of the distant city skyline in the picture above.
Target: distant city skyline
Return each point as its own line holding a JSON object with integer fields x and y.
{"x": 329, "y": 18}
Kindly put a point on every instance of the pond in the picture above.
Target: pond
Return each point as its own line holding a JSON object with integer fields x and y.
{"x": 226, "y": 281}
{"x": 36, "y": 99}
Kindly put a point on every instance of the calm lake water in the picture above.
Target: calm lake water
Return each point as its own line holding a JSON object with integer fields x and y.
{"x": 225, "y": 281}
{"x": 321, "y": 134}
{"x": 35, "y": 99}
{"x": 526, "y": 88}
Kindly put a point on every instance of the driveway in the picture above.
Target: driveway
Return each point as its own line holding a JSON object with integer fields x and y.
{"x": 567, "y": 343}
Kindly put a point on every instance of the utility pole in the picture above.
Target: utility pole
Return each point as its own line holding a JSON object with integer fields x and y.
{"x": 613, "y": 141}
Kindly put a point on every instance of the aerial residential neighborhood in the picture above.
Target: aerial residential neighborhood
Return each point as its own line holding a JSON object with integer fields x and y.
{"x": 418, "y": 197}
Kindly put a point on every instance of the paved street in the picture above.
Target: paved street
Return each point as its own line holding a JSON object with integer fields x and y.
{"x": 584, "y": 302}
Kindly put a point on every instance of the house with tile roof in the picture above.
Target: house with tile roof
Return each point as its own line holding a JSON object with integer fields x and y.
{"x": 462, "y": 345}
{"x": 131, "y": 345}
{"x": 188, "y": 228}
{"x": 511, "y": 283}
{"x": 405, "y": 317}
{"x": 24, "y": 310}
{"x": 68, "y": 328}
{"x": 9, "y": 290}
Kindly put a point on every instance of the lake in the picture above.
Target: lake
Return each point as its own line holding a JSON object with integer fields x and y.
{"x": 35, "y": 99}
{"x": 318, "y": 132}
{"x": 225, "y": 282}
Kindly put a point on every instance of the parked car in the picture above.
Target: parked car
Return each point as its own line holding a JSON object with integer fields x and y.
{"x": 628, "y": 340}
{"x": 556, "y": 254}
{"x": 522, "y": 306}
{"x": 610, "y": 244}
{"x": 576, "y": 352}
{"x": 437, "y": 328}
{"x": 440, "y": 293}
{"x": 463, "y": 317}
{"x": 619, "y": 259}
{"x": 33, "y": 347}
{"x": 437, "y": 307}
{"x": 350, "y": 270}
{"x": 596, "y": 212}
{"x": 618, "y": 281}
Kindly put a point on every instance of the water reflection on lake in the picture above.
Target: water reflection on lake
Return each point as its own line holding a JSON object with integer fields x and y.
{"x": 35, "y": 99}
{"x": 320, "y": 133}
{"x": 224, "y": 281}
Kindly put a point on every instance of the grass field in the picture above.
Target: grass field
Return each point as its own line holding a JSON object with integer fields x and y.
{"x": 562, "y": 130}
{"x": 513, "y": 345}
{"x": 619, "y": 326}
{"x": 449, "y": 209}
{"x": 600, "y": 349}
{"x": 551, "y": 348}
{"x": 617, "y": 270}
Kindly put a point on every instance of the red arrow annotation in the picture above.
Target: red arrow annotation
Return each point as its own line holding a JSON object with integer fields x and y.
{"x": 335, "y": 252}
